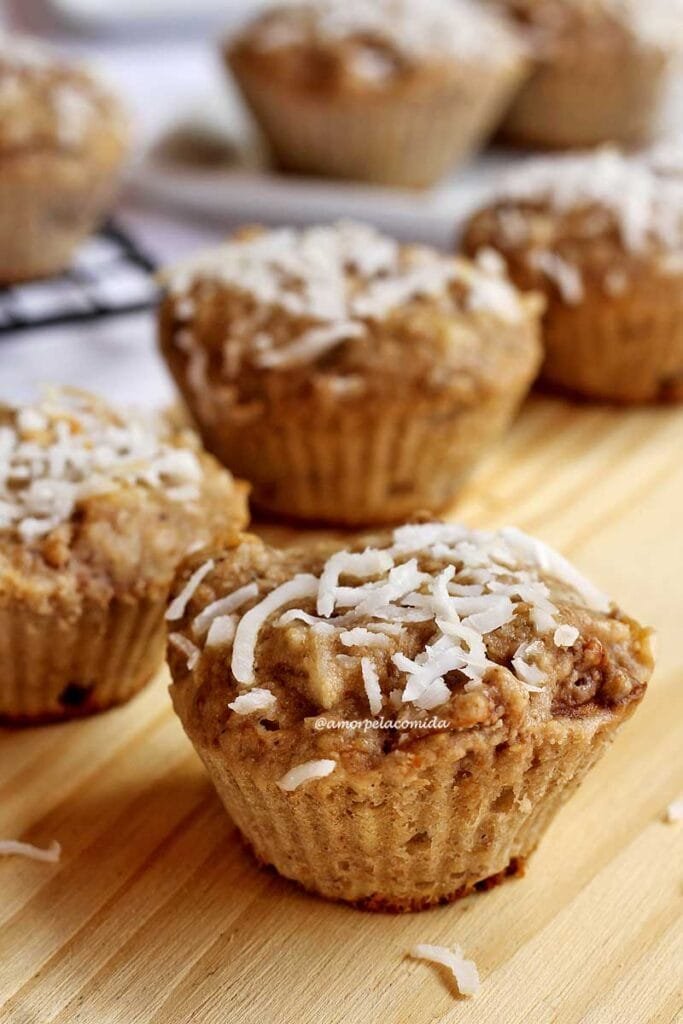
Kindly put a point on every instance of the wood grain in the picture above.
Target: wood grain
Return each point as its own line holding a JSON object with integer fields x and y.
{"x": 157, "y": 915}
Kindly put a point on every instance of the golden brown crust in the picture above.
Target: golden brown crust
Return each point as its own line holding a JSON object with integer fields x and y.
{"x": 410, "y": 397}
{"x": 600, "y": 73}
{"x": 82, "y": 603}
{"x": 613, "y": 326}
{"x": 51, "y": 107}
{"x": 63, "y": 139}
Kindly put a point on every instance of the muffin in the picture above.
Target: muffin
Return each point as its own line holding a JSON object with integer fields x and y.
{"x": 602, "y": 236}
{"x": 62, "y": 142}
{"x": 349, "y": 378}
{"x": 396, "y": 725}
{"x": 602, "y": 70}
{"x": 97, "y": 509}
{"x": 387, "y": 91}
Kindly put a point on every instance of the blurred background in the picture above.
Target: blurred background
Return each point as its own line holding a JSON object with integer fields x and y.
{"x": 197, "y": 170}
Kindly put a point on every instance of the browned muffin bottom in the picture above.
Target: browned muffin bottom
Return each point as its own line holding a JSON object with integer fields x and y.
{"x": 96, "y": 511}
{"x": 601, "y": 235}
{"x": 349, "y": 378}
{"x": 63, "y": 138}
{"x": 388, "y": 92}
{"x": 396, "y": 725}
{"x": 601, "y": 71}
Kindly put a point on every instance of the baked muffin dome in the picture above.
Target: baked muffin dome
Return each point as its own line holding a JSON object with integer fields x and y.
{"x": 601, "y": 70}
{"x": 396, "y": 724}
{"x": 350, "y": 378}
{"x": 602, "y": 236}
{"x": 97, "y": 509}
{"x": 63, "y": 138}
{"x": 387, "y": 91}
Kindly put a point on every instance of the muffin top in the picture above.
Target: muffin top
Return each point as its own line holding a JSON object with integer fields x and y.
{"x": 430, "y": 633}
{"x": 342, "y": 307}
{"x": 112, "y": 499}
{"x": 373, "y": 44}
{"x": 598, "y": 217}
{"x": 50, "y": 106}
{"x": 555, "y": 26}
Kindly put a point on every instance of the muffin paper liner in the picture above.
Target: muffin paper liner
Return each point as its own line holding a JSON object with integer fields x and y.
{"x": 386, "y": 138}
{"x": 628, "y": 349}
{"x": 361, "y": 464}
{"x": 42, "y": 220}
{"x": 590, "y": 97}
{"x": 58, "y": 663}
{"x": 401, "y": 842}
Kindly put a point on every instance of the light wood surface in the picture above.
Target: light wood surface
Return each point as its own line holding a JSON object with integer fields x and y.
{"x": 157, "y": 915}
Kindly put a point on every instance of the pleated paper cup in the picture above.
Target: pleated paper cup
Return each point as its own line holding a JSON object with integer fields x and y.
{"x": 361, "y": 462}
{"x": 625, "y": 349}
{"x": 62, "y": 661}
{"x": 589, "y": 96}
{"x": 391, "y": 839}
{"x": 390, "y": 138}
{"x": 46, "y": 212}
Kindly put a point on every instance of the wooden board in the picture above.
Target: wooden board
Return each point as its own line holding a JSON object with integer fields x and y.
{"x": 157, "y": 915}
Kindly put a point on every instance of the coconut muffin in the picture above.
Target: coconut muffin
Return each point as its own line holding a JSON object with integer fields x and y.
{"x": 601, "y": 70}
{"x": 385, "y": 91}
{"x": 63, "y": 138}
{"x": 349, "y": 378}
{"x": 396, "y": 724}
{"x": 602, "y": 236}
{"x": 97, "y": 509}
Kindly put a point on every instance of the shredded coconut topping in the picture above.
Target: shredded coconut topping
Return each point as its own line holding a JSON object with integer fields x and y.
{"x": 185, "y": 645}
{"x": 476, "y": 583}
{"x": 424, "y": 31}
{"x": 306, "y": 772}
{"x": 645, "y": 201}
{"x": 43, "y": 96}
{"x": 13, "y": 848}
{"x": 255, "y": 700}
{"x": 464, "y": 971}
{"x": 177, "y": 607}
{"x": 70, "y": 447}
{"x": 339, "y": 279}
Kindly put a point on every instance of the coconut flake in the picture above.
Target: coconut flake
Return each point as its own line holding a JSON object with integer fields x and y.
{"x": 464, "y": 971}
{"x": 371, "y": 562}
{"x": 224, "y": 606}
{"x": 14, "y": 848}
{"x": 306, "y": 772}
{"x": 309, "y": 346}
{"x": 360, "y": 637}
{"x": 566, "y": 636}
{"x": 221, "y": 631}
{"x": 371, "y": 684}
{"x": 257, "y": 699}
{"x": 189, "y": 649}
{"x": 302, "y": 586}
{"x": 177, "y": 607}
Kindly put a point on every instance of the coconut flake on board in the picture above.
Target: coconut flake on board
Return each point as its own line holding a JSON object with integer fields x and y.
{"x": 14, "y": 848}
{"x": 464, "y": 971}
{"x": 674, "y": 812}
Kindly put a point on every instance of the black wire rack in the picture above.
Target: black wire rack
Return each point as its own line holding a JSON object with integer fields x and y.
{"x": 109, "y": 275}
